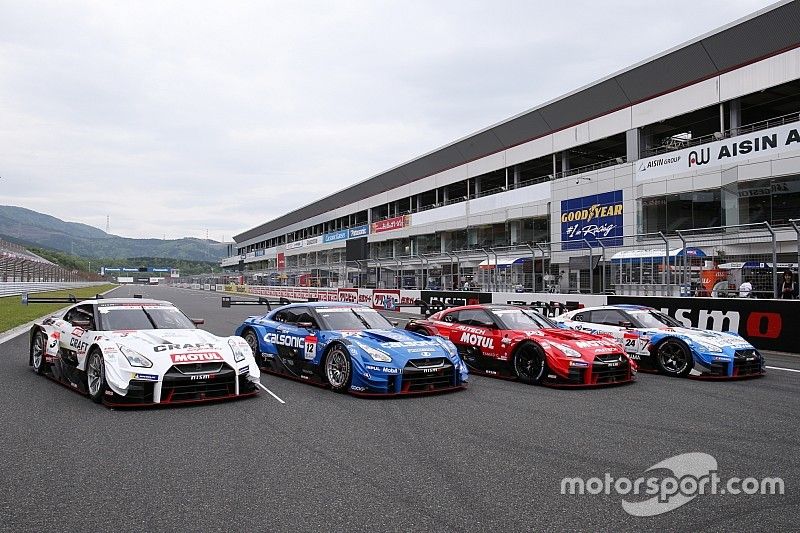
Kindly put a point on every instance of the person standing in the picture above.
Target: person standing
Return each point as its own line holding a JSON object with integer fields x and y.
{"x": 788, "y": 287}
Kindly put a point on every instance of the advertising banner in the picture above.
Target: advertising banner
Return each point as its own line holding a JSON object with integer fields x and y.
{"x": 336, "y": 236}
{"x": 766, "y": 324}
{"x": 590, "y": 217}
{"x": 391, "y": 224}
{"x": 456, "y": 297}
{"x": 358, "y": 231}
{"x": 775, "y": 140}
{"x": 281, "y": 261}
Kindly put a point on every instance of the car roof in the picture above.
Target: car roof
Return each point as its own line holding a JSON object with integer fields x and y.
{"x": 124, "y": 301}
{"x": 322, "y": 305}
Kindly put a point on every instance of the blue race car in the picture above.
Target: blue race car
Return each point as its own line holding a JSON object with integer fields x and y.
{"x": 662, "y": 344}
{"x": 353, "y": 348}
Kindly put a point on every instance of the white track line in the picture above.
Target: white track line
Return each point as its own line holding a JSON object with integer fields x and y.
{"x": 781, "y": 368}
{"x": 270, "y": 392}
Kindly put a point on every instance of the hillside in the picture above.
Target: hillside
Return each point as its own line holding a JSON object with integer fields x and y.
{"x": 18, "y": 224}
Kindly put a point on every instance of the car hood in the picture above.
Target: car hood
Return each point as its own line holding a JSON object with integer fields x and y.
{"x": 400, "y": 344}
{"x": 173, "y": 346}
{"x": 713, "y": 338}
{"x": 587, "y": 345}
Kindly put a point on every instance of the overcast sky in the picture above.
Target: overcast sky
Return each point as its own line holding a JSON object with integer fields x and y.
{"x": 180, "y": 117}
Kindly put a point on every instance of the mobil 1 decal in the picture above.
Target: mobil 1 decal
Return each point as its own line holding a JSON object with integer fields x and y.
{"x": 592, "y": 217}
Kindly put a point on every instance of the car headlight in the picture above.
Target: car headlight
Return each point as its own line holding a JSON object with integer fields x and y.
{"x": 447, "y": 345}
{"x": 135, "y": 358}
{"x": 238, "y": 352}
{"x": 566, "y": 350}
{"x": 376, "y": 355}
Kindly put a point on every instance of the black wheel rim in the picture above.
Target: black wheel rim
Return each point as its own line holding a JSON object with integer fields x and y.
{"x": 673, "y": 358}
{"x": 529, "y": 365}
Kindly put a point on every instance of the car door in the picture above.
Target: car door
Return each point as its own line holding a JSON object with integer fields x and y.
{"x": 477, "y": 337}
{"x": 76, "y": 331}
{"x": 614, "y": 323}
{"x": 290, "y": 338}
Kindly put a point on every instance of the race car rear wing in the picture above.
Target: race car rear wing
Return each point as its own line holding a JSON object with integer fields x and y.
{"x": 228, "y": 301}
{"x": 71, "y": 299}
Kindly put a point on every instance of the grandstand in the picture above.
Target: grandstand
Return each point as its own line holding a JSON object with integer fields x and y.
{"x": 18, "y": 264}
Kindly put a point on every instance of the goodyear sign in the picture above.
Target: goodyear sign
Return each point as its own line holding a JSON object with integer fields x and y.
{"x": 590, "y": 218}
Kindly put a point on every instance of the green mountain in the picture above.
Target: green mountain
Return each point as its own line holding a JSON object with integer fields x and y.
{"x": 20, "y": 224}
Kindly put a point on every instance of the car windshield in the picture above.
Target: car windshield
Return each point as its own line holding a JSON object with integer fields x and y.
{"x": 653, "y": 319}
{"x": 131, "y": 317}
{"x": 352, "y": 318}
{"x": 521, "y": 319}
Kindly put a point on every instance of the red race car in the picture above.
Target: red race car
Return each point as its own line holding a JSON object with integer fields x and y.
{"x": 511, "y": 342}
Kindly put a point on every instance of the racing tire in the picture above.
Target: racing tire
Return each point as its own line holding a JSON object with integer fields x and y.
{"x": 38, "y": 347}
{"x": 422, "y": 331}
{"x": 529, "y": 364}
{"x": 338, "y": 368}
{"x": 674, "y": 358}
{"x": 96, "y": 376}
{"x": 251, "y": 339}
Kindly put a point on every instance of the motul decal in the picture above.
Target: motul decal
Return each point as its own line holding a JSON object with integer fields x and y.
{"x": 199, "y": 357}
{"x": 477, "y": 340}
{"x": 767, "y": 325}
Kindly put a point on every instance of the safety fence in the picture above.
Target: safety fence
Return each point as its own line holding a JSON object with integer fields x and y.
{"x": 747, "y": 260}
{"x": 15, "y": 288}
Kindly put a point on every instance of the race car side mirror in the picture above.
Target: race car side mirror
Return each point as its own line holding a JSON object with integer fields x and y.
{"x": 395, "y": 323}
{"x": 198, "y": 321}
{"x": 305, "y": 325}
{"x": 81, "y": 323}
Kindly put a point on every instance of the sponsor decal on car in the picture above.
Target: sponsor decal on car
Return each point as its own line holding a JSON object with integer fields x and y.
{"x": 197, "y": 357}
{"x": 410, "y": 344}
{"x": 283, "y": 339}
{"x": 146, "y": 377}
{"x": 310, "y": 343}
{"x": 477, "y": 340}
{"x": 186, "y": 346}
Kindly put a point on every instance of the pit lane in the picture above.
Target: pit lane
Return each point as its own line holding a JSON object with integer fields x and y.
{"x": 490, "y": 457}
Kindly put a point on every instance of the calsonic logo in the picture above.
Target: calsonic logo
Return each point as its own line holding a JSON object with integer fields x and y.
{"x": 186, "y": 346}
{"x": 199, "y": 357}
{"x": 284, "y": 340}
{"x": 477, "y": 340}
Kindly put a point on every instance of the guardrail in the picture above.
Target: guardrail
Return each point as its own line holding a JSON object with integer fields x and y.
{"x": 16, "y": 288}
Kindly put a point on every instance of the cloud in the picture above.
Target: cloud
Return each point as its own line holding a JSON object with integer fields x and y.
{"x": 177, "y": 119}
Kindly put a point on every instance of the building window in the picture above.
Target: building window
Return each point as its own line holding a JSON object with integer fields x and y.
{"x": 774, "y": 200}
{"x": 698, "y": 209}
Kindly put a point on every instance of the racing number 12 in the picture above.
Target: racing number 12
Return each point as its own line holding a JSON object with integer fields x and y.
{"x": 310, "y": 347}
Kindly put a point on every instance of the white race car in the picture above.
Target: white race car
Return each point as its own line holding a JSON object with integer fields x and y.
{"x": 135, "y": 352}
{"x": 660, "y": 343}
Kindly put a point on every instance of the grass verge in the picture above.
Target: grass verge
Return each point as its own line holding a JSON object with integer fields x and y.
{"x": 13, "y": 313}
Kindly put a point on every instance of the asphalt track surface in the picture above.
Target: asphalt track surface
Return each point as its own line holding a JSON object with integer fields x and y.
{"x": 488, "y": 458}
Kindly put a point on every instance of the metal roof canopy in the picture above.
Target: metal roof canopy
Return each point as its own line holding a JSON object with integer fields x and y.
{"x": 766, "y": 32}
{"x": 655, "y": 255}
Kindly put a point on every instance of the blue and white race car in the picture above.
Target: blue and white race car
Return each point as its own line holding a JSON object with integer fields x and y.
{"x": 353, "y": 348}
{"x": 660, "y": 343}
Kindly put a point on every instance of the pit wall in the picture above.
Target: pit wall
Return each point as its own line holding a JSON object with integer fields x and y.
{"x": 767, "y": 324}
